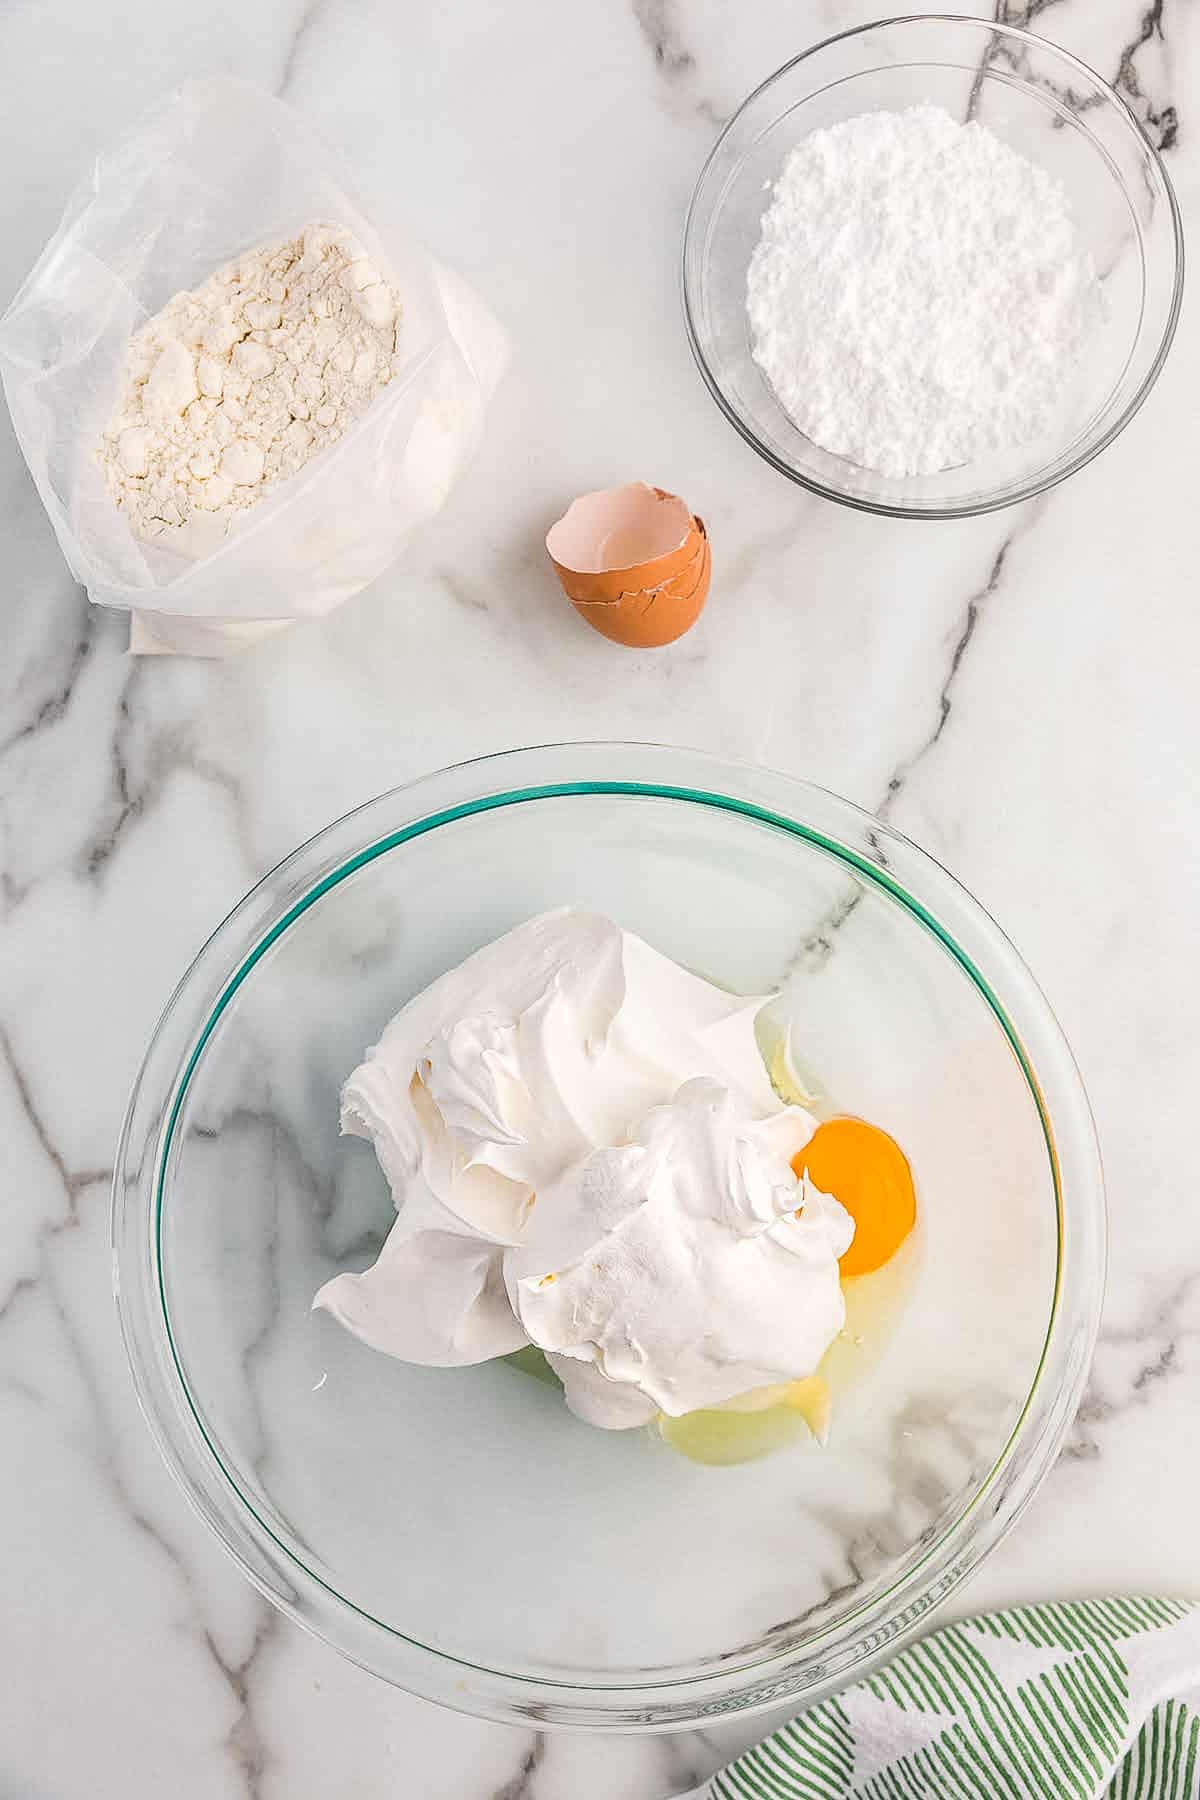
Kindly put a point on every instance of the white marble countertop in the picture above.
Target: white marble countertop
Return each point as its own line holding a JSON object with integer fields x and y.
{"x": 1017, "y": 692}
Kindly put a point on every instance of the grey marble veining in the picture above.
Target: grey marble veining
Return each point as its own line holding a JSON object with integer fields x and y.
{"x": 1015, "y": 692}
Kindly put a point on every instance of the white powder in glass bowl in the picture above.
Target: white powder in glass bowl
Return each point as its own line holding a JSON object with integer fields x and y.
{"x": 918, "y": 297}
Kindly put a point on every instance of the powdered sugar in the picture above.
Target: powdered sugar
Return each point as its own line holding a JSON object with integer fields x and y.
{"x": 235, "y": 385}
{"x": 918, "y": 297}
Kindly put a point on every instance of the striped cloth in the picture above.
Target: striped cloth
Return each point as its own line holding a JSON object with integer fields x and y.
{"x": 1068, "y": 1701}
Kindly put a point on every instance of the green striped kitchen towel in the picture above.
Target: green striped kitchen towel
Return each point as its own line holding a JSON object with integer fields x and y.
{"x": 1068, "y": 1701}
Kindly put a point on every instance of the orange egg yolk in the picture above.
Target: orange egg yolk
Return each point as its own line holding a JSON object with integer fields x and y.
{"x": 868, "y": 1172}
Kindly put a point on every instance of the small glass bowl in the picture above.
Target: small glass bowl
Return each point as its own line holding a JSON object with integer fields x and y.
{"x": 456, "y": 1530}
{"x": 1047, "y": 105}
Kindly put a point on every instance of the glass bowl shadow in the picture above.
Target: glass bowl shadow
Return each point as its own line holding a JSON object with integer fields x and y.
{"x": 1047, "y": 105}
{"x": 457, "y": 1531}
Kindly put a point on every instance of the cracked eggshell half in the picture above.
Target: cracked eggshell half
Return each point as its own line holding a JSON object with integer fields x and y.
{"x": 634, "y": 562}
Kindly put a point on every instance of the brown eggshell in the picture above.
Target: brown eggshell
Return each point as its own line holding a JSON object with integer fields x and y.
{"x": 634, "y": 563}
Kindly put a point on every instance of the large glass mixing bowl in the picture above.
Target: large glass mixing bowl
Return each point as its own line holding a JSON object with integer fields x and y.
{"x": 457, "y": 1531}
{"x": 1048, "y": 106}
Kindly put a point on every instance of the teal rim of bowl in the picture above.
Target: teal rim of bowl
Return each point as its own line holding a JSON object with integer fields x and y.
{"x": 880, "y": 878}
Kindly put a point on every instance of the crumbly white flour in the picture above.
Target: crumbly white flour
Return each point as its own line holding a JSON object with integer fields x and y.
{"x": 235, "y": 385}
{"x": 918, "y": 297}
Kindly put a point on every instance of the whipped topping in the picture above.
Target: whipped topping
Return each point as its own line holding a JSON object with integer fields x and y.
{"x": 586, "y": 1153}
{"x": 701, "y": 1268}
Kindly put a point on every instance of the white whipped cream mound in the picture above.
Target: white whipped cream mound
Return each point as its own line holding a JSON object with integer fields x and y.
{"x": 568, "y": 1103}
{"x": 696, "y": 1266}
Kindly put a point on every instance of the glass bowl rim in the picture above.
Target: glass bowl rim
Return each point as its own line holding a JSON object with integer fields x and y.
{"x": 752, "y": 1682}
{"x": 1092, "y": 444}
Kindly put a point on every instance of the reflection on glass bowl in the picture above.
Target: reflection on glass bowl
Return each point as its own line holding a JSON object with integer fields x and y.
{"x": 457, "y": 1531}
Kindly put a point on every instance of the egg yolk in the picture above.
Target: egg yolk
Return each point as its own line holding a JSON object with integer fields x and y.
{"x": 866, "y": 1170}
